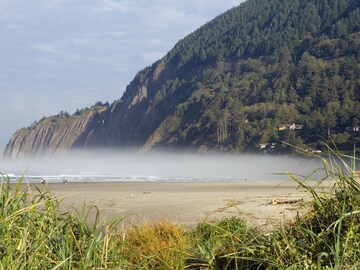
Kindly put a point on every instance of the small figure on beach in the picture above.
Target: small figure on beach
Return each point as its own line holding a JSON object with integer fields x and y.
{"x": 65, "y": 181}
{"x": 43, "y": 181}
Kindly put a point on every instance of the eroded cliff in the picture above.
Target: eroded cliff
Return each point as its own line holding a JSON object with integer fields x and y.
{"x": 53, "y": 134}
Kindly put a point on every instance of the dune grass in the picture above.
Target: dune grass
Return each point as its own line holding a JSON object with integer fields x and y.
{"x": 160, "y": 245}
{"x": 37, "y": 233}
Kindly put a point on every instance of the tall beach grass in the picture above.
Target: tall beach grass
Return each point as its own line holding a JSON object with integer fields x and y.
{"x": 37, "y": 233}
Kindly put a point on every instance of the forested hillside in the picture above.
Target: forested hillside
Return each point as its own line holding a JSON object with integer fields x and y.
{"x": 262, "y": 73}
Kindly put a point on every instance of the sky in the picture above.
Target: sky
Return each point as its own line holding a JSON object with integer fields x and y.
{"x": 68, "y": 54}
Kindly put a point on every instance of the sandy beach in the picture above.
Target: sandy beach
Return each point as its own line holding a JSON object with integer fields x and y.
{"x": 264, "y": 204}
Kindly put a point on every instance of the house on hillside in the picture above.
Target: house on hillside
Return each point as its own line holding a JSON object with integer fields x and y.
{"x": 267, "y": 146}
{"x": 263, "y": 146}
{"x": 292, "y": 126}
{"x": 281, "y": 127}
{"x": 295, "y": 126}
{"x": 353, "y": 129}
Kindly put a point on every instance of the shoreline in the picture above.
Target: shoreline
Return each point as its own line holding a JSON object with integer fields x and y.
{"x": 265, "y": 204}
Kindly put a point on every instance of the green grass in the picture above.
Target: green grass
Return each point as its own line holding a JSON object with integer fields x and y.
{"x": 37, "y": 233}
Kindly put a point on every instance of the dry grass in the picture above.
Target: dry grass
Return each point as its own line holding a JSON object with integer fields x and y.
{"x": 160, "y": 245}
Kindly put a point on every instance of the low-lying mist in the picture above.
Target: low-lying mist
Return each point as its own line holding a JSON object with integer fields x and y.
{"x": 158, "y": 166}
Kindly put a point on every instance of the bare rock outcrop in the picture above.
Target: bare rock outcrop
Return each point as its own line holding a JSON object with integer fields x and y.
{"x": 50, "y": 135}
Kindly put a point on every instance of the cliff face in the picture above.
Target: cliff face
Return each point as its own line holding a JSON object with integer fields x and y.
{"x": 52, "y": 134}
{"x": 146, "y": 104}
{"x": 228, "y": 85}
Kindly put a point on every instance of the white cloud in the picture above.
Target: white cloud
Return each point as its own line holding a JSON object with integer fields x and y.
{"x": 45, "y": 48}
{"x": 152, "y": 56}
{"x": 113, "y": 6}
{"x": 11, "y": 26}
{"x": 114, "y": 34}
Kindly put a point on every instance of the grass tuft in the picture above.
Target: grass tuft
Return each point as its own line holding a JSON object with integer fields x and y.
{"x": 37, "y": 234}
{"x": 160, "y": 245}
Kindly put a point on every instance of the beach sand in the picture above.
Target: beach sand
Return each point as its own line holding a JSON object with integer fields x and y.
{"x": 263, "y": 204}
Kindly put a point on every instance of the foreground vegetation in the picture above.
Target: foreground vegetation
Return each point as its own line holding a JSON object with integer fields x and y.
{"x": 37, "y": 233}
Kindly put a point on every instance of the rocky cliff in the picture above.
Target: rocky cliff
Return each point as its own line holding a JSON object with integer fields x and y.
{"x": 53, "y": 134}
{"x": 230, "y": 84}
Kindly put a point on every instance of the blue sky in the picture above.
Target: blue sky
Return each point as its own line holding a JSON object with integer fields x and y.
{"x": 67, "y": 54}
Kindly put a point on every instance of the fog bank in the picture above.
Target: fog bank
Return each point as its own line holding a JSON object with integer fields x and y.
{"x": 158, "y": 166}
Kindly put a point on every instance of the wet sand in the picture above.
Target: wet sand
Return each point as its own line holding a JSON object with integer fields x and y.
{"x": 264, "y": 204}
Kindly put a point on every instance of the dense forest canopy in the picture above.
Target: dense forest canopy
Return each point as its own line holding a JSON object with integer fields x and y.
{"x": 263, "y": 65}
